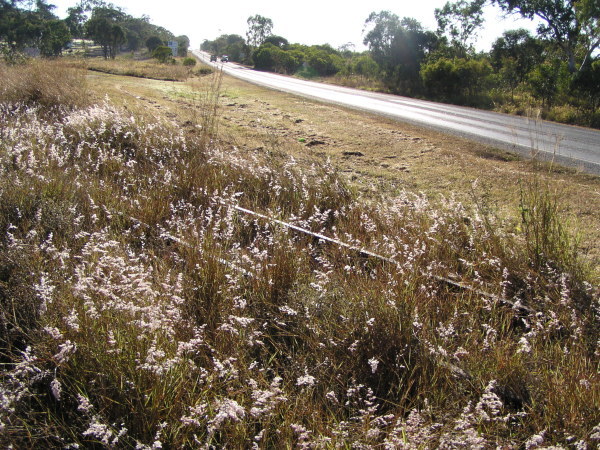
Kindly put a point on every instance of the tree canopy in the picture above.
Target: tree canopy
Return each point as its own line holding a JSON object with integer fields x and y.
{"x": 460, "y": 21}
{"x": 573, "y": 25}
{"x": 259, "y": 28}
{"x": 399, "y": 46}
{"x": 32, "y": 27}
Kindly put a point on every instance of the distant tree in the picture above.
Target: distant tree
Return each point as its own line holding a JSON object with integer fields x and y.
{"x": 573, "y": 25}
{"x": 103, "y": 27}
{"x": 259, "y": 28}
{"x": 55, "y": 36}
{"x": 514, "y": 55}
{"x": 277, "y": 41}
{"x": 232, "y": 45}
{"x": 153, "y": 42}
{"x": 75, "y": 21}
{"x": 347, "y": 49}
{"x": 183, "y": 43}
{"x": 399, "y": 47}
{"x": 460, "y": 21}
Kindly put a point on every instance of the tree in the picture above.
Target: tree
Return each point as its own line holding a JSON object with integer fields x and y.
{"x": 573, "y": 25}
{"x": 153, "y": 42}
{"x": 324, "y": 59}
{"x": 55, "y": 36}
{"x": 39, "y": 28}
{"x": 259, "y": 28}
{"x": 458, "y": 80}
{"x": 183, "y": 43}
{"x": 544, "y": 80}
{"x": 277, "y": 41}
{"x": 586, "y": 87}
{"x": 365, "y": 66}
{"x": 75, "y": 21}
{"x": 18, "y": 28}
{"x": 460, "y": 21}
{"x": 398, "y": 47}
{"x": 133, "y": 39}
{"x": 103, "y": 27}
{"x": 514, "y": 55}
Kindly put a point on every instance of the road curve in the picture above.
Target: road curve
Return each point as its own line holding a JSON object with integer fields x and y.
{"x": 568, "y": 145}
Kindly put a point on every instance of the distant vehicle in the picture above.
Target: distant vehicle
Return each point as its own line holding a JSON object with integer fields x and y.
{"x": 213, "y": 58}
{"x": 224, "y": 58}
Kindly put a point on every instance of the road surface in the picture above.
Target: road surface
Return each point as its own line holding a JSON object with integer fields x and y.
{"x": 568, "y": 145}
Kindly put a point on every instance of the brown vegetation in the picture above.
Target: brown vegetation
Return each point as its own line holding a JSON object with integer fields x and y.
{"x": 141, "y": 307}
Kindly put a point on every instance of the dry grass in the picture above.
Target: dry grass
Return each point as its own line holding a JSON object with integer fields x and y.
{"x": 140, "y": 308}
{"x": 46, "y": 83}
{"x": 149, "y": 68}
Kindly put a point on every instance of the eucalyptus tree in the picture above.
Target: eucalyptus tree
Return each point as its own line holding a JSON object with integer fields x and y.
{"x": 259, "y": 28}
{"x": 22, "y": 25}
{"x": 398, "y": 46}
{"x": 105, "y": 29}
{"x": 573, "y": 25}
{"x": 515, "y": 54}
{"x": 460, "y": 21}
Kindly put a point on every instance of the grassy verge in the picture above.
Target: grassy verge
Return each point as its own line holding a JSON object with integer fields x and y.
{"x": 141, "y": 308}
{"x": 148, "y": 68}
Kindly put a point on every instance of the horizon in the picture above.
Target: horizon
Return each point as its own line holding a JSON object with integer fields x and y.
{"x": 297, "y": 24}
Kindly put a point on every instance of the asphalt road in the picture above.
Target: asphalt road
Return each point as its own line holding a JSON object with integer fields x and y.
{"x": 568, "y": 145}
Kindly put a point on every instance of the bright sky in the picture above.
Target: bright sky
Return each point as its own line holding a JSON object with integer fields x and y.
{"x": 310, "y": 22}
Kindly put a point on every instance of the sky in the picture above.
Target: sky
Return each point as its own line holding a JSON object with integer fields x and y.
{"x": 310, "y": 22}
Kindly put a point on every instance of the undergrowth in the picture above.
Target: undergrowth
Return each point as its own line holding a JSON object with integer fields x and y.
{"x": 141, "y": 307}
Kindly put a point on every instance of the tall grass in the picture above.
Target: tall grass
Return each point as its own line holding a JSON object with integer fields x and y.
{"x": 43, "y": 83}
{"x": 150, "y": 68}
{"x": 141, "y": 309}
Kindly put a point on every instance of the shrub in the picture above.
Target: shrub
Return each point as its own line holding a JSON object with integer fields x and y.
{"x": 462, "y": 81}
{"x": 163, "y": 54}
{"x": 189, "y": 62}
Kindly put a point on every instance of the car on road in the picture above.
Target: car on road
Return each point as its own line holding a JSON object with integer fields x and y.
{"x": 213, "y": 58}
{"x": 224, "y": 58}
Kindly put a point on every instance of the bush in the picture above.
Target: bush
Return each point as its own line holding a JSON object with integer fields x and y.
{"x": 325, "y": 63}
{"x": 461, "y": 81}
{"x": 189, "y": 62}
{"x": 265, "y": 57}
{"x": 202, "y": 71}
{"x": 366, "y": 66}
{"x": 163, "y": 54}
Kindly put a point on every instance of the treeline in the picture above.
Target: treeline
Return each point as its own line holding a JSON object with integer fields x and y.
{"x": 25, "y": 24}
{"x": 556, "y": 70}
